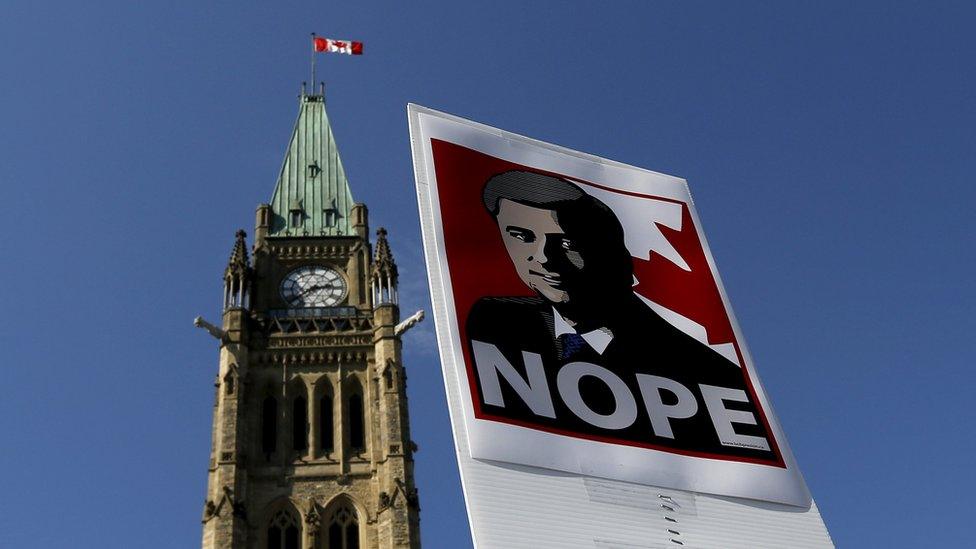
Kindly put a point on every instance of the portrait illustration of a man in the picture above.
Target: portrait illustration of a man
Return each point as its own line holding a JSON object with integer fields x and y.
{"x": 568, "y": 247}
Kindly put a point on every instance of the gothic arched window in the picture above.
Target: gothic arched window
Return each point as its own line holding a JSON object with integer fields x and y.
{"x": 269, "y": 426}
{"x": 299, "y": 424}
{"x": 357, "y": 431}
{"x": 285, "y": 531}
{"x": 326, "y": 434}
{"x": 343, "y": 528}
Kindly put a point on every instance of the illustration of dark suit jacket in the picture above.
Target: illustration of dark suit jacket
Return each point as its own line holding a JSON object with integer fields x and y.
{"x": 643, "y": 343}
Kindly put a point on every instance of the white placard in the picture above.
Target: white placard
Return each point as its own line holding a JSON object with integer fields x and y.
{"x": 583, "y": 328}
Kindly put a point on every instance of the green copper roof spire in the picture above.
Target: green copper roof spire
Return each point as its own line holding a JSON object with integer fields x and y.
{"x": 312, "y": 195}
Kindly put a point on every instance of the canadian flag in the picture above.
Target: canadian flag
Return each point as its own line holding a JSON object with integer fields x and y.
{"x": 330, "y": 45}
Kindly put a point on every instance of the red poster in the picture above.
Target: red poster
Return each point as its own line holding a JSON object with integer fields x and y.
{"x": 581, "y": 316}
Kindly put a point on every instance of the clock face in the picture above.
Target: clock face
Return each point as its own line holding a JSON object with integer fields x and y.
{"x": 313, "y": 287}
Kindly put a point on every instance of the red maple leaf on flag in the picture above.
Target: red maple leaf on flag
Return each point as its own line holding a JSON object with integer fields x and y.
{"x": 692, "y": 294}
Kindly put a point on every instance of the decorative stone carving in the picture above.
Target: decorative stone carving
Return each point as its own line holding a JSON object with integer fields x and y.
{"x": 312, "y": 518}
{"x": 209, "y": 510}
{"x": 212, "y": 510}
{"x": 410, "y": 322}
{"x": 214, "y": 331}
{"x": 410, "y": 494}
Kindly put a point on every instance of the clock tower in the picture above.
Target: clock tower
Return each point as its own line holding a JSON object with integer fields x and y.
{"x": 311, "y": 444}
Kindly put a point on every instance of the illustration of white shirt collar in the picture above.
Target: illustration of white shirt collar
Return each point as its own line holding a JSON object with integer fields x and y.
{"x": 599, "y": 339}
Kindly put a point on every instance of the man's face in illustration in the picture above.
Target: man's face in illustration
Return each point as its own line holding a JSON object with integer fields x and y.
{"x": 545, "y": 257}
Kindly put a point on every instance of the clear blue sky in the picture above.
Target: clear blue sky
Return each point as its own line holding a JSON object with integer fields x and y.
{"x": 829, "y": 147}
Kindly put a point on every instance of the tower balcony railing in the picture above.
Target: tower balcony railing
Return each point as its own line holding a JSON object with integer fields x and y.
{"x": 317, "y": 320}
{"x": 316, "y": 312}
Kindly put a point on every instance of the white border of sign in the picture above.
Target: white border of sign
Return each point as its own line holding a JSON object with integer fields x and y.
{"x": 737, "y": 479}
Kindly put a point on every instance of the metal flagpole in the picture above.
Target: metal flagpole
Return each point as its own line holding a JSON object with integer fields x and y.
{"x": 312, "y": 83}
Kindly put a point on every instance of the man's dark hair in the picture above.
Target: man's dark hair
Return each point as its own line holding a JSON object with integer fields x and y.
{"x": 531, "y": 189}
{"x": 587, "y": 221}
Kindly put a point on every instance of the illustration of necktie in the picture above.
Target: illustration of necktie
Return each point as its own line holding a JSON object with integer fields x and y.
{"x": 572, "y": 344}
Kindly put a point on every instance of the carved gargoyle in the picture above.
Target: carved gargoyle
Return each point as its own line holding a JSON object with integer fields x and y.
{"x": 209, "y": 509}
{"x": 216, "y": 332}
{"x": 410, "y": 322}
{"x": 212, "y": 509}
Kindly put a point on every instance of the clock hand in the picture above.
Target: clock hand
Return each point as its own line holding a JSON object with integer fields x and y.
{"x": 297, "y": 297}
{"x": 305, "y": 291}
